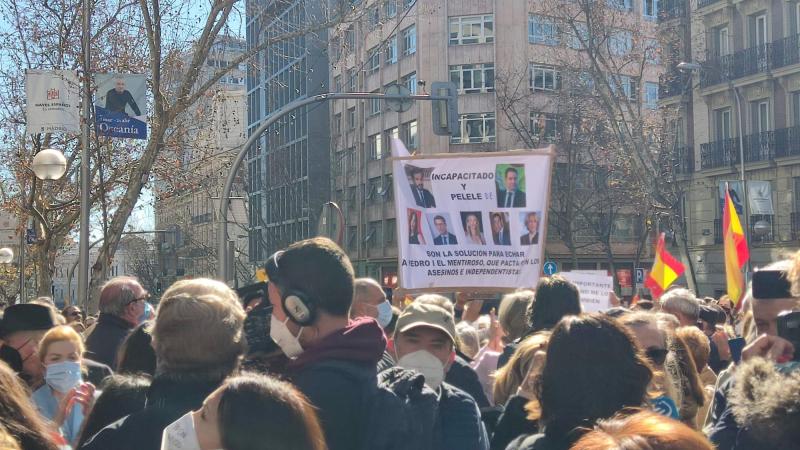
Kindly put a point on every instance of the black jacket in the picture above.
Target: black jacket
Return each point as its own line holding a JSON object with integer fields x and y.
{"x": 537, "y": 442}
{"x": 108, "y": 334}
{"x": 513, "y": 423}
{"x": 96, "y": 372}
{"x": 460, "y": 375}
{"x": 167, "y": 400}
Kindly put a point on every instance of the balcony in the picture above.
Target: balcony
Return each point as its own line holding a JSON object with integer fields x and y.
{"x": 795, "y": 218}
{"x": 683, "y": 163}
{"x": 763, "y": 146}
{"x": 704, "y": 3}
{"x": 672, "y": 9}
{"x": 786, "y": 52}
{"x": 672, "y": 83}
{"x": 749, "y": 61}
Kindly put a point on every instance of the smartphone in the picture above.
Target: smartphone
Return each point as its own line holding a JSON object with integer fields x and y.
{"x": 789, "y": 329}
{"x": 736, "y": 345}
{"x": 771, "y": 284}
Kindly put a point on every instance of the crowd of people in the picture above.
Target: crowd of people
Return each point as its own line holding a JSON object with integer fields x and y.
{"x": 335, "y": 364}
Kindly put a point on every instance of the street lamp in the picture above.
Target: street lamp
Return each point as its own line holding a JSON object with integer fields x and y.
{"x": 695, "y": 67}
{"x": 6, "y": 255}
{"x": 49, "y": 164}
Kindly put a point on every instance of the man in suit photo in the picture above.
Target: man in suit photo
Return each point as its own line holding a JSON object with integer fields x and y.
{"x": 422, "y": 196}
{"x": 511, "y": 196}
{"x": 532, "y": 225}
{"x": 444, "y": 237}
{"x": 500, "y": 233}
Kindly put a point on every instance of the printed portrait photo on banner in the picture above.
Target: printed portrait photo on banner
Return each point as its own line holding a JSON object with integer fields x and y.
{"x": 415, "y": 227}
{"x": 472, "y": 223}
{"x": 418, "y": 179}
{"x": 530, "y": 227}
{"x": 440, "y": 229}
{"x": 501, "y": 235}
{"x": 510, "y": 185}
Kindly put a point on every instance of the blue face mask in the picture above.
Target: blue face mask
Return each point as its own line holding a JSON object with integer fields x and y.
{"x": 384, "y": 314}
{"x": 63, "y": 376}
{"x": 148, "y": 312}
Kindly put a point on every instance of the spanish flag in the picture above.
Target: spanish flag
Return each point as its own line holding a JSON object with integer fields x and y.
{"x": 666, "y": 269}
{"x": 736, "y": 251}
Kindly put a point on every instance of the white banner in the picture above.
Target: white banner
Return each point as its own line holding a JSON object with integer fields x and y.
{"x": 594, "y": 289}
{"x": 52, "y": 101}
{"x": 759, "y": 197}
{"x": 471, "y": 221}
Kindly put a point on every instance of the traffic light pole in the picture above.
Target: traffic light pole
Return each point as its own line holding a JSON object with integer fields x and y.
{"x": 222, "y": 219}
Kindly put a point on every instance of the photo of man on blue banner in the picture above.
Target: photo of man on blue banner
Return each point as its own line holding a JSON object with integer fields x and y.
{"x": 121, "y": 105}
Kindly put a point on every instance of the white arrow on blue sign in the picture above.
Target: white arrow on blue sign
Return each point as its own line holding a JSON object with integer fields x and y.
{"x": 550, "y": 267}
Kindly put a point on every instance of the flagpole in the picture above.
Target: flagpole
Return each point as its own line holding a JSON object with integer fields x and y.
{"x": 745, "y": 208}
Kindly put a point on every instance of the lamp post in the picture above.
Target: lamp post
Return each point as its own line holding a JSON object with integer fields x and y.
{"x": 695, "y": 67}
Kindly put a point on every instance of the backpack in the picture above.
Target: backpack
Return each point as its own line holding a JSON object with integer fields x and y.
{"x": 399, "y": 412}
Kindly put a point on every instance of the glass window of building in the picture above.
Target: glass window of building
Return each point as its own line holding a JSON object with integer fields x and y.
{"x": 409, "y": 40}
{"x": 473, "y": 78}
{"x": 475, "y": 128}
{"x": 472, "y": 29}
{"x": 542, "y": 30}
{"x": 544, "y": 78}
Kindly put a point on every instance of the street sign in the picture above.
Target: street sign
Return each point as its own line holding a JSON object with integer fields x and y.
{"x": 398, "y": 104}
{"x": 549, "y": 268}
{"x": 639, "y": 275}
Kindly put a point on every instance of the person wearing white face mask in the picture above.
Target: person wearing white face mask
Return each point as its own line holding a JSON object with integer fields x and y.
{"x": 369, "y": 300}
{"x": 248, "y": 412}
{"x": 424, "y": 341}
{"x": 64, "y": 399}
{"x": 333, "y": 359}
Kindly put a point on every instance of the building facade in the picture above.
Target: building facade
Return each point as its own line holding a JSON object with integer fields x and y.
{"x": 289, "y": 168}
{"x": 740, "y": 94}
{"x": 484, "y": 47}
{"x": 209, "y": 137}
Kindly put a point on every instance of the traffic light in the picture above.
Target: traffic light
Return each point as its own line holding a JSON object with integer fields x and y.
{"x": 445, "y": 112}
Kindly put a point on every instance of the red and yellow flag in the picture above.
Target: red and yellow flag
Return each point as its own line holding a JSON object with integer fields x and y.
{"x": 666, "y": 269}
{"x": 736, "y": 251}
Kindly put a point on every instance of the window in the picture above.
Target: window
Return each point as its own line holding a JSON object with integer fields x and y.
{"x": 375, "y": 146}
{"x": 629, "y": 85}
{"x": 393, "y": 132}
{"x": 544, "y": 126}
{"x": 352, "y": 80}
{"x": 758, "y": 31}
{"x": 544, "y": 78}
{"x": 374, "y": 235}
{"x": 623, "y": 5}
{"x": 374, "y": 17}
{"x": 652, "y": 51}
{"x": 760, "y": 115}
{"x": 350, "y": 38}
{"x": 337, "y": 83}
{"x": 796, "y": 108}
{"x": 373, "y": 60}
{"x": 721, "y": 41}
{"x": 475, "y": 128}
{"x": 390, "y": 7}
{"x": 391, "y": 230}
{"x": 375, "y": 105}
{"x": 650, "y": 9}
{"x": 651, "y": 95}
{"x": 472, "y": 78}
{"x": 620, "y": 43}
{"x": 723, "y": 124}
{"x": 542, "y": 30}
{"x": 410, "y": 134}
{"x": 410, "y": 81}
{"x": 577, "y": 37}
{"x": 471, "y": 29}
{"x": 409, "y": 40}
{"x": 391, "y": 51}
{"x": 337, "y": 124}
{"x": 351, "y": 118}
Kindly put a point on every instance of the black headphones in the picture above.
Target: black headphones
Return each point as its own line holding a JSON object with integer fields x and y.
{"x": 300, "y": 307}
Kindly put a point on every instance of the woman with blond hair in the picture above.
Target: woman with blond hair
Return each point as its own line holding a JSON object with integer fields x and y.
{"x": 18, "y": 416}
{"x": 64, "y": 399}
{"x": 642, "y": 431}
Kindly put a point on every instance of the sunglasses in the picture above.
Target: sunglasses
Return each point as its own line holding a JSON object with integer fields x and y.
{"x": 656, "y": 355}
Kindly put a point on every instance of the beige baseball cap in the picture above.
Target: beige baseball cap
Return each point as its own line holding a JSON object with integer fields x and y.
{"x": 426, "y": 315}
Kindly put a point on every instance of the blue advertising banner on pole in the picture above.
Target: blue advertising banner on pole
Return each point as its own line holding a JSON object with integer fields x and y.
{"x": 121, "y": 105}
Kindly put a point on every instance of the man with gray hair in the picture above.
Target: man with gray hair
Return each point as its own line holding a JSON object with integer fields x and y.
{"x": 369, "y": 300}
{"x": 122, "y": 302}
{"x": 682, "y": 304}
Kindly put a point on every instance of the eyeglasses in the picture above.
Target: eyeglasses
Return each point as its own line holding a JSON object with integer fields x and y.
{"x": 656, "y": 355}
{"x": 143, "y": 298}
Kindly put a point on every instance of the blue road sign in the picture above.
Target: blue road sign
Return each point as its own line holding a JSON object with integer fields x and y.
{"x": 550, "y": 267}
{"x": 639, "y": 276}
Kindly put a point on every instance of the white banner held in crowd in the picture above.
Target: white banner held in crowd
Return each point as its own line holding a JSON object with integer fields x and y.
{"x": 594, "y": 289}
{"x": 52, "y": 101}
{"x": 121, "y": 105}
{"x": 471, "y": 221}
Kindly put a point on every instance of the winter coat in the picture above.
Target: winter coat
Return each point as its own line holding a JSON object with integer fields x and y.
{"x": 102, "y": 345}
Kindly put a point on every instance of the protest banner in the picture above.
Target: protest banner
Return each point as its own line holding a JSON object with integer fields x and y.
{"x": 121, "y": 105}
{"x": 594, "y": 289}
{"x": 471, "y": 220}
{"x": 52, "y": 101}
